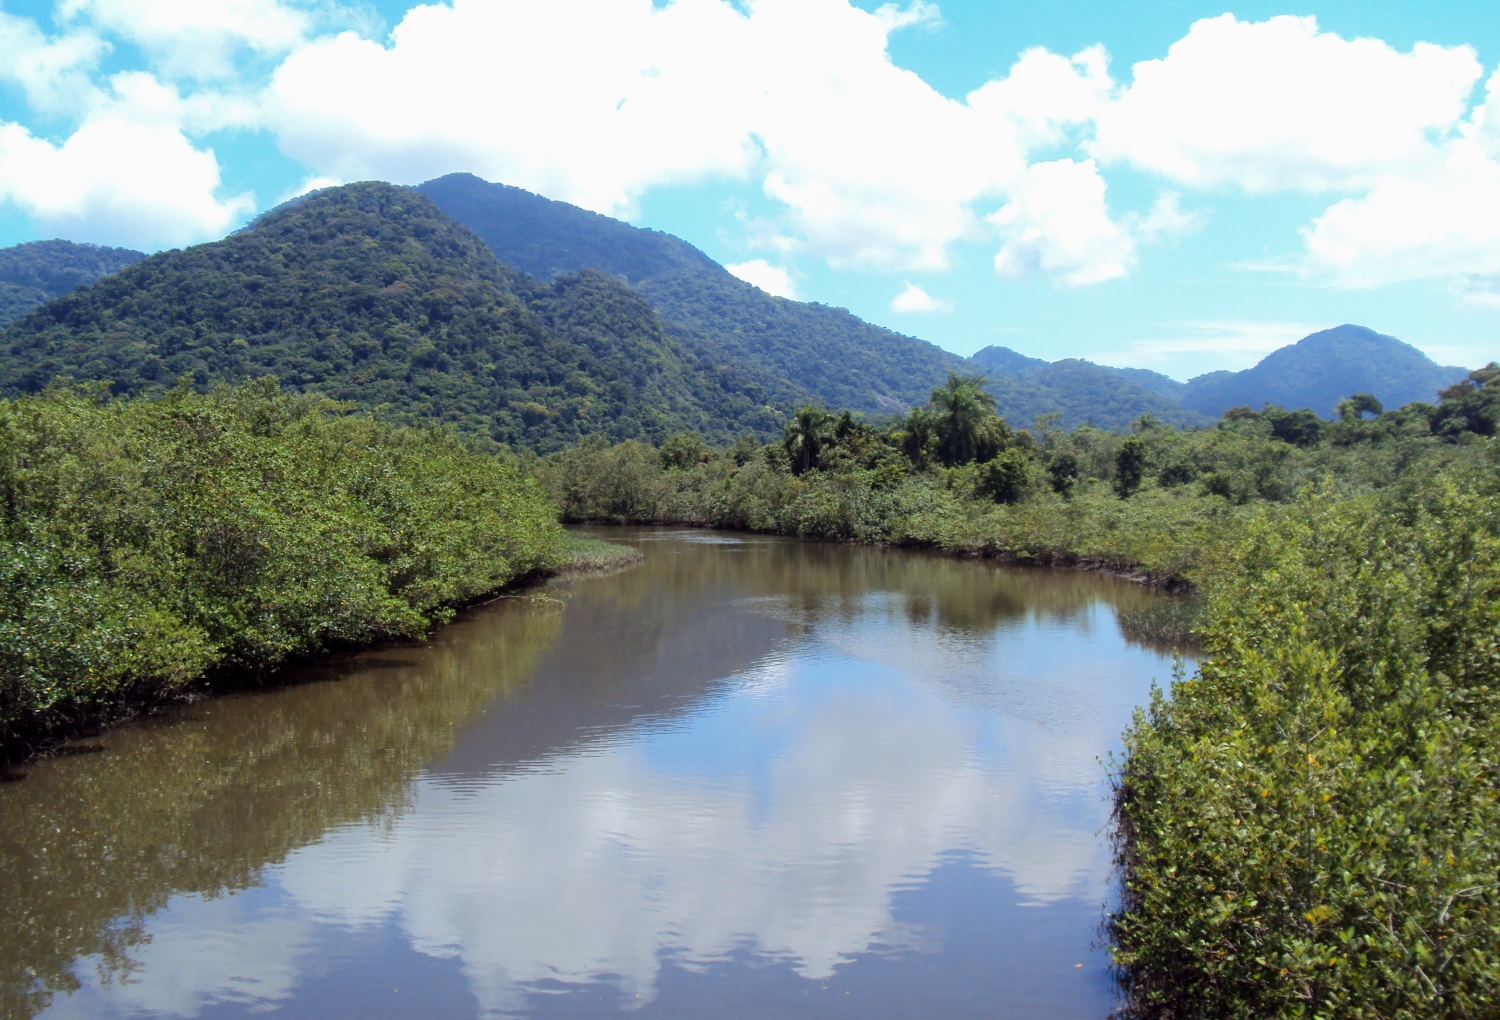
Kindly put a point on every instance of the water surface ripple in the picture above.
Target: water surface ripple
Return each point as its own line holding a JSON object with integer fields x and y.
{"x": 748, "y": 778}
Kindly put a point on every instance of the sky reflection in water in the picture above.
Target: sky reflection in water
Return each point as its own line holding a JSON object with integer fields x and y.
{"x": 747, "y": 778}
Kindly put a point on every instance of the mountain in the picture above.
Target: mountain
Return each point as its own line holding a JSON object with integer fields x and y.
{"x": 1004, "y": 361}
{"x": 826, "y": 353}
{"x": 34, "y": 273}
{"x": 372, "y": 294}
{"x": 1320, "y": 370}
{"x": 1084, "y": 394}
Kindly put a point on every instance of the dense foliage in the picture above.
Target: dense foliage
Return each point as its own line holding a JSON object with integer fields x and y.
{"x": 824, "y": 354}
{"x": 829, "y": 356}
{"x": 1083, "y": 393}
{"x": 953, "y": 475}
{"x": 147, "y": 544}
{"x": 371, "y": 294}
{"x": 1310, "y": 826}
{"x": 34, "y": 273}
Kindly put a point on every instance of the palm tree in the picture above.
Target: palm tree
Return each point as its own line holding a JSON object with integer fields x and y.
{"x": 805, "y": 436}
{"x": 964, "y": 411}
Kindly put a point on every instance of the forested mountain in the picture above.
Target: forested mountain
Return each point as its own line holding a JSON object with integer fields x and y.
{"x": 34, "y": 273}
{"x": 1004, "y": 361}
{"x": 370, "y": 293}
{"x": 1082, "y": 392}
{"x": 828, "y": 354}
{"x": 1320, "y": 370}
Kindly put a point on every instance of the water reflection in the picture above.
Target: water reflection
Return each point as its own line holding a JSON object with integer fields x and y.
{"x": 733, "y": 779}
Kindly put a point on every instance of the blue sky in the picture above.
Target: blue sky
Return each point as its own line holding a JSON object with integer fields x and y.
{"x": 1179, "y": 186}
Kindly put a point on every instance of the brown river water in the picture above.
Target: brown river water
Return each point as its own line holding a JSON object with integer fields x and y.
{"x": 748, "y": 778}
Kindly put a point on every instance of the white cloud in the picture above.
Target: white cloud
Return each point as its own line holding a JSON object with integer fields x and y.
{"x": 197, "y": 38}
{"x": 1165, "y": 220}
{"x": 918, "y": 12}
{"x": 54, "y": 73}
{"x": 127, "y": 175}
{"x": 1058, "y": 225}
{"x": 1442, "y": 225}
{"x": 1277, "y": 105}
{"x": 873, "y": 166}
{"x": 915, "y": 300}
{"x": 771, "y": 279}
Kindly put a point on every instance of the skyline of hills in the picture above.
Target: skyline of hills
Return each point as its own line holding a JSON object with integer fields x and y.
{"x": 369, "y": 293}
{"x": 34, "y": 273}
{"x": 663, "y": 335}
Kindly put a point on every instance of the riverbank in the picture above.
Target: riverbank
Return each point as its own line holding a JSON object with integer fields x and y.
{"x": 152, "y": 549}
{"x": 1307, "y": 826}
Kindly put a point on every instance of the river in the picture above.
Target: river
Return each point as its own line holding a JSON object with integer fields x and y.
{"x": 749, "y": 777}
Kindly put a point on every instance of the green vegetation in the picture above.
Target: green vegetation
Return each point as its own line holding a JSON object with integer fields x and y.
{"x": 1309, "y": 826}
{"x": 148, "y": 545}
{"x": 34, "y": 273}
{"x": 371, "y": 294}
{"x": 816, "y": 352}
{"x": 584, "y": 554}
{"x": 1159, "y": 501}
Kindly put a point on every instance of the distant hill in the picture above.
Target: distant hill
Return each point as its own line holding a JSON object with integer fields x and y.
{"x": 827, "y": 354}
{"x": 1320, "y": 370}
{"x": 1082, "y": 392}
{"x": 371, "y": 293}
{"x": 1004, "y": 361}
{"x": 34, "y": 273}
{"x": 1085, "y": 394}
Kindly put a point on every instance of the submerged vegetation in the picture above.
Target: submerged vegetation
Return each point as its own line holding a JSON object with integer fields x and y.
{"x": 146, "y": 545}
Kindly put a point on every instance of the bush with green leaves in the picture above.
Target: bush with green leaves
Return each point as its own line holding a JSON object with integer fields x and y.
{"x": 1309, "y": 826}
{"x": 146, "y": 545}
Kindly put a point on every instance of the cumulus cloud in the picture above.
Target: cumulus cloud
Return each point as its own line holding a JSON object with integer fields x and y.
{"x": 54, "y": 73}
{"x": 1442, "y": 225}
{"x": 915, "y": 300}
{"x": 586, "y": 101}
{"x": 1058, "y": 225}
{"x": 197, "y": 38}
{"x": 597, "y": 102}
{"x": 1277, "y": 105}
{"x": 771, "y": 279}
{"x": 127, "y": 175}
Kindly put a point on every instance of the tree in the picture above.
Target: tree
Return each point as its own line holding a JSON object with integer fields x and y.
{"x": 1062, "y": 473}
{"x": 805, "y": 437}
{"x": 683, "y": 452}
{"x": 1130, "y": 467}
{"x": 964, "y": 411}
{"x": 1354, "y": 408}
{"x": 1007, "y": 478}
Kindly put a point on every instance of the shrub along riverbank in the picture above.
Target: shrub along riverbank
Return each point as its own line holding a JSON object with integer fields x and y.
{"x": 1159, "y": 502}
{"x": 146, "y": 546}
{"x": 1310, "y": 825}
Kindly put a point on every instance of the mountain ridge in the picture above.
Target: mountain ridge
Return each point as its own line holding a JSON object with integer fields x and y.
{"x": 35, "y": 272}
{"x": 370, "y": 293}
